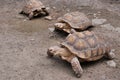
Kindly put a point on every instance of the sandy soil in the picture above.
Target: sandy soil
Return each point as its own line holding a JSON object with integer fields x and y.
{"x": 23, "y": 43}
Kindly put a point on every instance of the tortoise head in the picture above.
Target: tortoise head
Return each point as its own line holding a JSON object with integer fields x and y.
{"x": 59, "y": 25}
{"x": 35, "y": 12}
{"x": 53, "y": 50}
{"x": 72, "y": 31}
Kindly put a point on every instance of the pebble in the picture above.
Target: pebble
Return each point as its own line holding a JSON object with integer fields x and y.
{"x": 103, "y": 77}
{"x": 117, "y": 29}
{"x": 48, "y": 18}
{"x": 47, "y": 8}
{"x": 95, "y": 15}
{"x": 98, "y": 12}
{"x": 68, "y": 10}
{"x": 51, "y": 29}
{"x": 32, "y": 39}
{"x": 98, "y": 21}
{"x": 108, "y": 26}
{"x": 54, "y": 7}
{"x": 25, "y": 20}
{"x": 111, "y": 63}
{"x": 19, "y": 17}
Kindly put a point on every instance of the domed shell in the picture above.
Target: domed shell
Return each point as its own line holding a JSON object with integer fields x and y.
{"x": 76, "y": 20}
{"x": 85, "y": 45}
{"x": 33, "y": 5}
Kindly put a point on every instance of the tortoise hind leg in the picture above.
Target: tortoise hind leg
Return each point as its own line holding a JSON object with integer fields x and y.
{"x": 76, "y": 66}
{"x": 110, "y": 55}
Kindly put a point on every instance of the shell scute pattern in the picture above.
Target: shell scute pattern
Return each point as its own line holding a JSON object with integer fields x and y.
{"x": 34, "y": 8}
{"x": 76, "y": 20}
{"x": 33, "y": 5}
{"x": 88, "y": 53}
{"x": 80, "y": 35}
{"x": 86, "y": 46}
{"x": 70, "y": 39}
{"x": 80, "y": 44}
{"x": 100, "y": 51}
{"x": 94, "y": 52}
{"x": 68, "y": 17}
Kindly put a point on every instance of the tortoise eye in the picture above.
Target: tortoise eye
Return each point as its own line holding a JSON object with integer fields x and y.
{"x": 50, "y": 49}
{"x": 35, "y": 10}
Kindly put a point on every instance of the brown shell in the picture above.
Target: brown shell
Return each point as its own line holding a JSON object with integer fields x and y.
{"x": 32, "y": 5}
{"x": 76, "y": 20}
{"x": 86, "y": 45}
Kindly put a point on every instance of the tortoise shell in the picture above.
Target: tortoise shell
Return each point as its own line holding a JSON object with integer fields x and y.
{"x": 76, "y": 20}
{"x": 86, "y": 45}
{"x": 33, "y": 5}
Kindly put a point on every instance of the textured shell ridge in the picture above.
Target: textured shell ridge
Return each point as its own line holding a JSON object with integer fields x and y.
{"x": 86, "y": 45}
{"x": 76, "y": 20}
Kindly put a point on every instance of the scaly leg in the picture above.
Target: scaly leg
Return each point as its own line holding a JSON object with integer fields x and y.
{"x": 76, "y": 66}
{"x": 46, "y": 12}
{"x": 30, "y": 16}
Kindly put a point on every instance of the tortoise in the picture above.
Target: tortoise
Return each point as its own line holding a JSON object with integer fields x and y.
{"x": 73, "y": 20}
{"x": 80, "y": 47}
{"x": 34, "y": 8}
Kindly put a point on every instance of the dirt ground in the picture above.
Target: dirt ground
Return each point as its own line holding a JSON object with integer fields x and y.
{"x": 24, "y": 43}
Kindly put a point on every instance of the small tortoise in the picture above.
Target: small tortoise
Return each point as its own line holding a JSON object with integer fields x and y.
{"x": 34, "y": 8}
{"x": 81, "y": 46}
{"x": 73, "y": 20}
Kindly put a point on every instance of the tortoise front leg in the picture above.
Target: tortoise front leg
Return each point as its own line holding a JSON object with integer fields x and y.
{"x": 30, "y": 16}
{"x": 76, "y": 66}
{"x": 46, "y": 12}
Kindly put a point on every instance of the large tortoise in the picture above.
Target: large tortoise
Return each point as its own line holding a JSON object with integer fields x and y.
{"x": 34, "y": 8}
{"x": 73, "y": 20}
{"x": 81, "y": 46}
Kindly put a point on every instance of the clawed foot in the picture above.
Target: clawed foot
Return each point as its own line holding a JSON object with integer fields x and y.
{"x": 78, "y": 75}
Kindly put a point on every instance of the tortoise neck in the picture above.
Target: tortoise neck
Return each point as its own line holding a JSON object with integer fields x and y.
{"x": 65, "y": 52}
